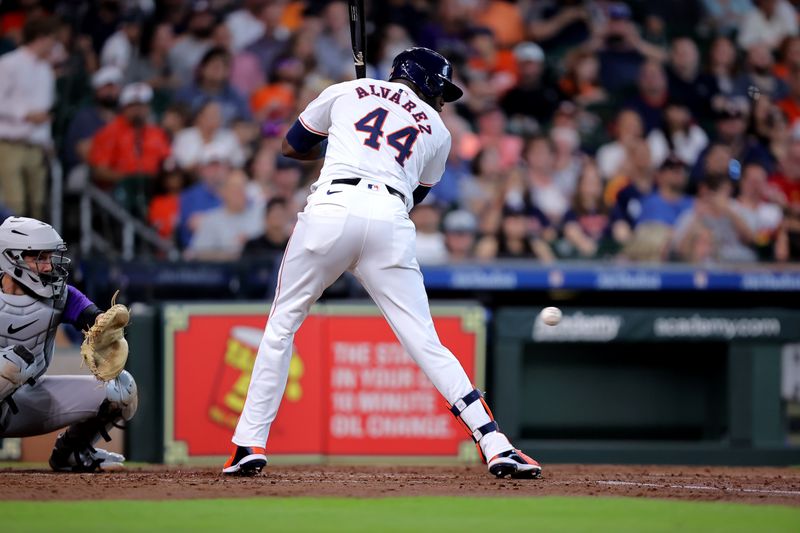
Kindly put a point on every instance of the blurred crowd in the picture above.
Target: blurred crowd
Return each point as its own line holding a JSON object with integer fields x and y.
{"x": 639, "y": 130}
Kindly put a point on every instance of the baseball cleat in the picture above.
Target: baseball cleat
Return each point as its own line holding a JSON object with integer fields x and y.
{"x": 516, "y": 464}
{"x": 245, "y": 461}
{"x": 88, "y": 460}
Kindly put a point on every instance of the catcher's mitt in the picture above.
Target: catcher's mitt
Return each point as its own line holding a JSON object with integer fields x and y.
{"x": 104, "y": 347}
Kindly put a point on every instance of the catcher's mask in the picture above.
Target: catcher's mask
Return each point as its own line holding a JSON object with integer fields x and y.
{"x": 32, "y": 254}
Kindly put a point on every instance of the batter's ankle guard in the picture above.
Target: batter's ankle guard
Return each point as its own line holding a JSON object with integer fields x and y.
{"x": 74, "y": 449}
{"x": 478, "y": 433}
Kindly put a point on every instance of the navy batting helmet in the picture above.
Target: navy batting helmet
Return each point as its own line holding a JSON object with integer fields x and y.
{"x": 428, "y": 70}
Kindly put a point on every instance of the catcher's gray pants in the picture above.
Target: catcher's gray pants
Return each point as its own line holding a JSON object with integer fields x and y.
{"x": 52, "y": 403}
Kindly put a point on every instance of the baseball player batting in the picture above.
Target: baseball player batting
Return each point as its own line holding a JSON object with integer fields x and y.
{"x": 34, "y": 299}
{"x": 384, "y": 146}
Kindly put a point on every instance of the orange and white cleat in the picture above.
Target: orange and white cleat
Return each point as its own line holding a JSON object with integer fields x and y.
{"x": 245, "y": 461}
{"x": 516, "y": 464}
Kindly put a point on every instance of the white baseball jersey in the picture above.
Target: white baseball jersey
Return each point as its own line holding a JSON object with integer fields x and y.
{"x": 401, "y": 140}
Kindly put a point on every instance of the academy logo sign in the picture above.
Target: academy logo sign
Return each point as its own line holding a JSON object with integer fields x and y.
{"x": 579, "y": 327}
{"x": 650, "y": 325}
{"x": 717, "y": 327}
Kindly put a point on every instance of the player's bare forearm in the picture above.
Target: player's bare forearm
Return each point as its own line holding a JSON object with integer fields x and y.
{"x": 316, "y": 152}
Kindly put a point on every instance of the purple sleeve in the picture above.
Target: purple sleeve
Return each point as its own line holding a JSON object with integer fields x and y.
{"x": 76, "y": 303}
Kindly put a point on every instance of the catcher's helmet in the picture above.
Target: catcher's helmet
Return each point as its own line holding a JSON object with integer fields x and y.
{"x": 430, "y": 71}
{"x": 20, "y": 236}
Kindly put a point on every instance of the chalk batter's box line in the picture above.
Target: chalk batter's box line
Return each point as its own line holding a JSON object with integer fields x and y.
{"x": 698, "y": 487}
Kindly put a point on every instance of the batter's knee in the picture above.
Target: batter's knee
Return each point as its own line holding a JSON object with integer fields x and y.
{"x": 122, "y": 394}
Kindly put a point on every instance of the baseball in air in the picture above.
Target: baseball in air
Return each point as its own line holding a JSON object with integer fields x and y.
{"x": 551, "y": 315}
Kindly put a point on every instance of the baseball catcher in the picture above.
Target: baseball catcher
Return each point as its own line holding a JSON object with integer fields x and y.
{"x": 34, "y": 299}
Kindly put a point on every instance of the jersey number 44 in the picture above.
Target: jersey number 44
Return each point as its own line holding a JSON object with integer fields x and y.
{"x": 401, "y": 140}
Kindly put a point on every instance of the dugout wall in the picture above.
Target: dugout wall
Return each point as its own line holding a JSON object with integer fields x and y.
{"x": 353, "y": 393}
{"x": 679, "y": 386}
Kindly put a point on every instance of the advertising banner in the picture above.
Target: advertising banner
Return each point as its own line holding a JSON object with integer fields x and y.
{"x": 513, "y": 276}
{"x": 352, "y": 388}
{"x": 618, "y": 324}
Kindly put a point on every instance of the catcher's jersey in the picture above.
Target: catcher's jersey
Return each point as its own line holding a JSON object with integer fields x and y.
{"x": 30, "y": 322}
{"x": 379, "y": 130}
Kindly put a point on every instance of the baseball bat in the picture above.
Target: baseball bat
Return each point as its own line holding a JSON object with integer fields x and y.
{"x": 358, "y": 36}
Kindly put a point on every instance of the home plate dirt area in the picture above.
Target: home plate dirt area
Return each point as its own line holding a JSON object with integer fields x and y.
{"x": 779, "y": 486}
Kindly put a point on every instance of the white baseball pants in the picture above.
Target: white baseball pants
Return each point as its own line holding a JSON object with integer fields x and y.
{"x": 366, "y": 231}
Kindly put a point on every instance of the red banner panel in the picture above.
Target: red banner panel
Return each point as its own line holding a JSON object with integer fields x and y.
{"x": 352, "y": 389}
{"x": 379, "y": 401}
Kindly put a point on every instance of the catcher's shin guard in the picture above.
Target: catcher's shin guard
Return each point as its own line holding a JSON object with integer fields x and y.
{"x": 74, "y": 449}
{"x": 123, "y": 394}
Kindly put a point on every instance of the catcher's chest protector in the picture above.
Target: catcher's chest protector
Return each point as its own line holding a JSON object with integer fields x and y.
{"x": 30, "y": 322}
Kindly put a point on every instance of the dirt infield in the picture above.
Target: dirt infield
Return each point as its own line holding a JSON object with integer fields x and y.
{"x": 747, "y": 485}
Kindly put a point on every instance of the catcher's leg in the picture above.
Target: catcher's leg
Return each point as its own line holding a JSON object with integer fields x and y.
{"x": 317, "y": 254}
{"x": 53, "y": 403}
{"x": 74, "y": 449}
{"x": 392, "y": 278}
